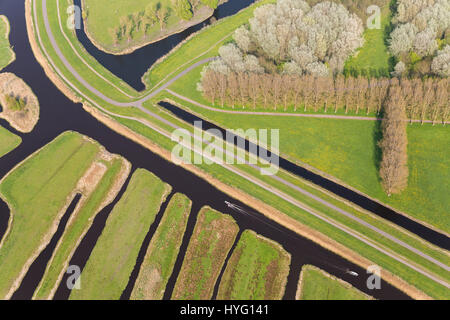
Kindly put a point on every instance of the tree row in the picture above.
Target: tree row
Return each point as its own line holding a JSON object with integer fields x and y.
{"x": 424, "y": 99}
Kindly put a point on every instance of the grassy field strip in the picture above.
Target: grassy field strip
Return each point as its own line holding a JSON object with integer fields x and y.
{"x": 316, "y": 284}
{"x": 73, "y": 41}
{"x": 107, "y": 187}
{"x": 163, "y": 251}
{"x": 8, "y": 141}
{"x": 38, "y": 192}
{"x": 213, "y": 237}
{"x": 110, "y": 264}
{"x": 257, "y": 270}
{"x": 368, "y": 251}
{"x": 7, "y": 55}
{"x": 199, "y": 44}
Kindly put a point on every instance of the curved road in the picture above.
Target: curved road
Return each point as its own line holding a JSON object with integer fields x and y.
{"x": 252, "y": 179}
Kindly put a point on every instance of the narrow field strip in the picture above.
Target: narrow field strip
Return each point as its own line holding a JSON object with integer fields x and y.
{"x": 8, "y": 141}
{"x": 7, "y": 54}
{"x": 316, "y": 284}
{"x": 213, "y": 237}
{"x": 163, "y": 250}
{"x": 257, "y": 270}
{"x": 38, "y": 192}
{"x": 117, "y": 169}
{"x": 109, "y": 267}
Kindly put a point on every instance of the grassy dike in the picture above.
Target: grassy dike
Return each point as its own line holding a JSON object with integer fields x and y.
{"x": 38, "y": 192}
{"x": 230, "y": 182}
{"x": 106, "y": 189}
{"x": 316, "y": 284}
{"x": 8, "y": 141}
{"x": 163, "y": 250}
{"x": 213, "y": 237}
{"x": 257, "y": 270}
{"x": 110, "y": 264}
{"x": 7, "y": 54}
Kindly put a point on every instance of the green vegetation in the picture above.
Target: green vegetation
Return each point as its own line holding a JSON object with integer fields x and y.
{"x": 77, "y": 227}
{"x": 257, "y": 270}
{"x": 348, "y": 150}
{"x": 133, "y": 24}
{"x": 6, "y": 53}
{"x": 37, "y": 192}
{"x": 297, "y": 214}
{"x": 316, "y": 284}
{"x": 8, "y": 141}
{"x": 168, "y": 66}
{"x": 373, "y": 59}
{"x": 98, "y": 76}
{"x": 204, "y": 44}
{"x": 163, "y": 251}
{"x": 14, "y": 103}
{"x": 213, "y": 237}
{"x": 110, "y": 264}
{"x": 20, "y": 105}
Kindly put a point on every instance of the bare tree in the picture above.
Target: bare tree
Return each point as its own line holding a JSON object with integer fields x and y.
{"x": 393, "y": 167}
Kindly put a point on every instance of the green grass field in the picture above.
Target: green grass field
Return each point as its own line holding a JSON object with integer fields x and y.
{"x": 374, "y": 55}
{"x": 205, "y": 43}
{"x": 110, "y": 264}
{"x": 347, "y": 150}
{"x": 316, "y": 284}
{"x": 76, "y": 228}
{"x": 237, "y": 182}
{"x": 36, "y": 192}
{"x": 213, "y": 237}
{"x": 8, "y": 141}
{"x": 163, "y": 250}
{"x": 6, "y": 52}
{"x": 257, "y": 270}
{"x": 389, "y": 264}
{"x": 103, "y": 16}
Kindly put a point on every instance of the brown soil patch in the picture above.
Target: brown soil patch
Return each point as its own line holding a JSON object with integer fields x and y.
{"x": 92, "y": 177}
{"x": 210, "y": 241}
{"x": 23, "y": 120}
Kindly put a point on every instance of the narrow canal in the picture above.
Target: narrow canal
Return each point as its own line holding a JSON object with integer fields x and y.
{"x": 58, "y": 114}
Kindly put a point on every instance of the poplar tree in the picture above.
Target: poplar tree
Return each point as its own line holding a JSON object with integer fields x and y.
{"x": 393, "y": 167}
